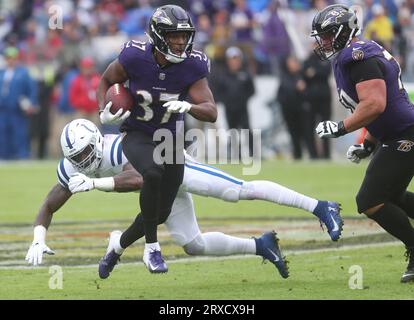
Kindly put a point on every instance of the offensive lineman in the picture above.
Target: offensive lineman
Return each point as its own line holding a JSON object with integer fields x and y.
{"x": 95, "y": 162}
{"x": 368, "y": 80}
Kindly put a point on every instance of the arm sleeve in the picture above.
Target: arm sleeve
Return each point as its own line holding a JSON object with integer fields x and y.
{"x": 371, "y": 68}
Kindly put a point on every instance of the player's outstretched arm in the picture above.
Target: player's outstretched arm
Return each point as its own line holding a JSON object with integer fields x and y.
{"x": 56, "y": 198}
{"x": 126, "y": 181}
{"x": 204, "y": 107}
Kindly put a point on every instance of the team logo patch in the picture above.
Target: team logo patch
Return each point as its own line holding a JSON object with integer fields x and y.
{"x": 405, "y": 145}
{"x": 357, "y": 54}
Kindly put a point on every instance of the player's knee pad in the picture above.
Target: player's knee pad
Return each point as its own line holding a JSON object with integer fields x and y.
{"x": 231, "y": 194}
{"x": 195, "y": 247}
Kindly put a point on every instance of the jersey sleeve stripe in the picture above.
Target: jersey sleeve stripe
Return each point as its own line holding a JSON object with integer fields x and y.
{"x": 63, "y": 183}
{"x": 63, "y": 171}
{"x": 113, "y": 151}
{"x": 119, "y": 153}
{"x": 214, "y": 173}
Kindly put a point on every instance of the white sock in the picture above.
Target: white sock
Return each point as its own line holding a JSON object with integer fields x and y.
{"x": 273, "y": 192}
{"x": 220, "y": 244}
{"x": 154, "y": 246}
{"x": 116, "y": 242}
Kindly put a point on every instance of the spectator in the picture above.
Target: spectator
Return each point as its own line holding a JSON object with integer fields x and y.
{"x": 18, "y": 100}
{"x": 318, "y": 96}
{"x": 380, "y": 28}
{"x": 234, "y": 88}
{"x": 82, "y": 91}
{"x": 275, "y": 43}
{"x": 291, "y": 98}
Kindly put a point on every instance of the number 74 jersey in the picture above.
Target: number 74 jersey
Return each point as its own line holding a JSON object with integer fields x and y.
{"x": 399, "y": 111}
{"x": 152, "y": 86}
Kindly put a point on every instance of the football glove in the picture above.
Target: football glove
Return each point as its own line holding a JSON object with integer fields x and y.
{"x": 360, "y": 151}
{"x": 177, "y": 106}
{"x": 330, "y": 129}
{"x": 80, "y": 183}
{"x": 107, "y": 117}
{"x": 35, "y": 254}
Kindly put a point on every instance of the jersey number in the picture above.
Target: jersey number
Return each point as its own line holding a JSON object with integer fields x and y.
{"x": 146, "y": 105}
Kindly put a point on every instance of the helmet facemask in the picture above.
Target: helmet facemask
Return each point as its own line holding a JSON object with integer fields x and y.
{"x": 82, "y": 145}
{"x": 168, "y": 20}
{"x": 86, "y": 160}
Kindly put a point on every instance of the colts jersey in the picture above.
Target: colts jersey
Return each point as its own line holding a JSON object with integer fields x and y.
{"x": 399, "y": 111}
{"x": 113, "y": 160}
{"x": 152, "y": 85}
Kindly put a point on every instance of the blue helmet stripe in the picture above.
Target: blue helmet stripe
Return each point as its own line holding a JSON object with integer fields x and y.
{"x": 67, "y": 137}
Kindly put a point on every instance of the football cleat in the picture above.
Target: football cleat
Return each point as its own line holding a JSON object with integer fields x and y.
{"x": 111, "y": 258}
{"x": 328, "y": 212}
{"x": 154, "y": 261}
{"x": 408, "y": 275}
{"x": 267, "y": 246}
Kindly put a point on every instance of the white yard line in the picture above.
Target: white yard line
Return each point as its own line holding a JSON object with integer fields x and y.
{"x": 210, "y": 258}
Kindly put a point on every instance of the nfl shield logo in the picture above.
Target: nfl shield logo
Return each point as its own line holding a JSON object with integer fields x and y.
{"x": 162, "y": 76}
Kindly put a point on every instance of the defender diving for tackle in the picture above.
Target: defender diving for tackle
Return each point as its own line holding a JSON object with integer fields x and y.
{"x": 97, "y": 162}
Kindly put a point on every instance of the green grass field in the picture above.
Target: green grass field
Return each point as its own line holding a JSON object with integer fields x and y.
{"x": 319, "y": 268}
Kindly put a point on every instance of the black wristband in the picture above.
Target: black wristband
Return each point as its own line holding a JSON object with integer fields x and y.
{"x": 341, "y": 129}
{"x": 369, "y": 145}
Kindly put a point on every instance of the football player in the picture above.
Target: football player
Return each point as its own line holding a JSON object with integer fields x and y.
{"x": 368, "y": 80}
{"x": 93, "y": 161}
{"x": 161, "y": 74}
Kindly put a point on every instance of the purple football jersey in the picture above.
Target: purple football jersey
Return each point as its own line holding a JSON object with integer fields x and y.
{"x": 152, "y": 86}
{"x": 399, "y": 111}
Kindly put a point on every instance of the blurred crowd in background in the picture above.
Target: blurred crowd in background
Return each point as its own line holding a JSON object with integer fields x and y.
{"x": 49, "y": 73}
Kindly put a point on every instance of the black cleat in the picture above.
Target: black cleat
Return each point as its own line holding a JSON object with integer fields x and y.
{"x": 408, "y": 275}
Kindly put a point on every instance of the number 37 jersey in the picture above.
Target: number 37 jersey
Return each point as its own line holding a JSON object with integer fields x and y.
{"x": 152, "y": 86}
{"x": 399, "y": 112}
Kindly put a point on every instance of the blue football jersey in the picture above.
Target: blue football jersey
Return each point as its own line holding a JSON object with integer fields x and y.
{"x": 152, "y": 85}
{"x": 399, "y": 111}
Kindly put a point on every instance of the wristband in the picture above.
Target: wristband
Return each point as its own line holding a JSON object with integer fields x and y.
{"x": 39, "y": 233}
{"x": 369, "y": 145}
{"x": 341, "y": 129}
{"x": 104, "y": 184}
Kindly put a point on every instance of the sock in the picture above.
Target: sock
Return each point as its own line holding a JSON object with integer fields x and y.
{"x": 149, "y": 201}
{"x": 154, "y": 246}
{"x": 273, "y": 192}
{"x": 220, "y": 244}
{"x": 134, "y": 232}
{"x": 407, "y": 203}
{"x": 117, "y": 245}
{"x": 395, "y": 221}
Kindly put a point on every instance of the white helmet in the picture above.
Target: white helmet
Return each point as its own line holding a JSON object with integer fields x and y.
{"x": 82, "y": 145}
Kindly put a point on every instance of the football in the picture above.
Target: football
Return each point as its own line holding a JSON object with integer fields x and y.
{"x": 120, "y": 97}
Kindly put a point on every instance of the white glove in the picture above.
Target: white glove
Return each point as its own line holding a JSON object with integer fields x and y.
{"x": 35, "y": 254}
{"x": 330, "y": 129}
{"x": 115, "y": 119}
{"x": 177, "y": 106}
{"x": 80, "y": 183}
{"x": 360, "y": 151}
